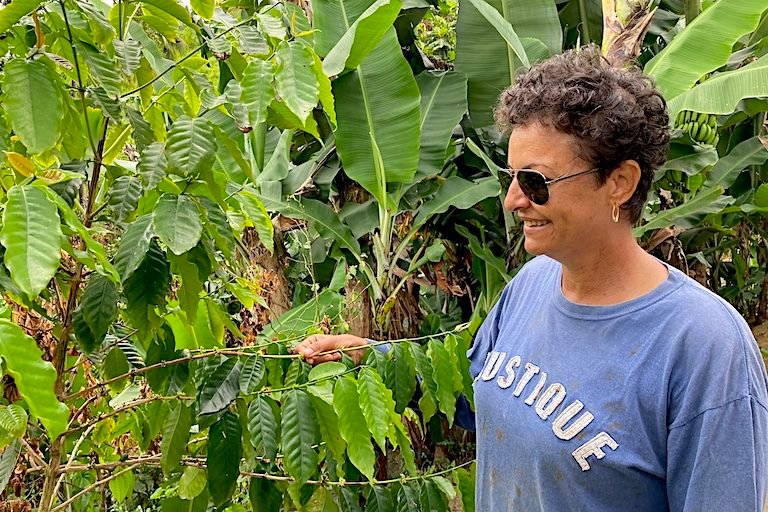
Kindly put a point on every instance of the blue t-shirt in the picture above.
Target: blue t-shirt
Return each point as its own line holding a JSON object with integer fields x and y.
{"x": 658, "y": 403}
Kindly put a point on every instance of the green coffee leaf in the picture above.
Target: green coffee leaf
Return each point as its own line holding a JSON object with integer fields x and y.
{"x": 124, "y": 196}
{"x": 263, "y": 427}
{"x": 257, "y": 92}
{"x": 191, "y": 146}
{"x": 152, "y": 165}
{"x": 203, "y": 7}
{"x": 32, "y": 102}
{"x": 8, "y": 457}
{"x": 443, "y": 370}
{"x": 428, "y": 400}
{"x": 31, "y": 258}
{"x": 379, "y": 500}
{"x": 408, "y": 497}
{"x": 299, "y": 435}
{"x": 128, "y": 52}
{"x": 328, "y": 422}
{"x": 353, "y": 426}
{"x": 142, "y": 130}
{"x": 400, "y": 375}
{"x": 260, "y": 219}
{"x": 194, "y": 267}
{"x": 431, "y": 497}
{"x": 177, "y": 222}
{"x": 13, "y": 423}
{"x": 147, "y": 287}
{"x": 220, "y": 387}
{"x": 374, "y": 398}
{"x": 192, "y": 482}
{"x": 295, "y": 79}
{"x": 252, "y": 374}
{"x": 175, "y": 437}
{"x": 133, "y": 246}
{"x": 121, "y": 487}
{"x": 102, "y": 68}
{"x": 225, "y": 450}
{"x": 34, "y": 377}
{"x": 465, "y": 481}
{"x": 348, "y": 501}
{"x": 445, "y": 486}
{"x": 264, "y": 495}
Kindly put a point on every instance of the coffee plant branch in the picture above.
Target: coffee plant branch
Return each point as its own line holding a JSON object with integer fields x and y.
{"x": 191, "y": 53}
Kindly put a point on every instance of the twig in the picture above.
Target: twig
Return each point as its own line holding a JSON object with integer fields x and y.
{"x": 32, "y": 453}
{"x": 190, "y": 54}
{"x": 125, "y": 407}
{"x": 92, "y": 487}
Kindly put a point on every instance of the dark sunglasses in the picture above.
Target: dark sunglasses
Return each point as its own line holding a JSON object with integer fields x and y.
{"x": 534, "y": 185}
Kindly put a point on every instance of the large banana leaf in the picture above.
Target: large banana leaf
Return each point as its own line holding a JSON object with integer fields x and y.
{"x": 727, "y": 169}
{"x": 688, "y": 214}
{"x": 362, "y": 37}
{"x": 333, "y": 18}
{"x": 485, "y": 57}
{"x": 722, "y": 94}
{"x": 443, "y": 103}
{"x": 378, "y": 111}
{"x": 456, "y": 192}
{"x": 705, "y": 45}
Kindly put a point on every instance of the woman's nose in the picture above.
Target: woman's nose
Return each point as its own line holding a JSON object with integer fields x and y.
{"x": 515, "y": 199}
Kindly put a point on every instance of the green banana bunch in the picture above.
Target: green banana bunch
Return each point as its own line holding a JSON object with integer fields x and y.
{"x": 701, "y": 127}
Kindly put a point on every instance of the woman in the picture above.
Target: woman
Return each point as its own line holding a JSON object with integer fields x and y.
{"x": 604, "y": 379}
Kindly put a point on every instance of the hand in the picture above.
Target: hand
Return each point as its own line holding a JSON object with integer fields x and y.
{"x": 318, "y": 343}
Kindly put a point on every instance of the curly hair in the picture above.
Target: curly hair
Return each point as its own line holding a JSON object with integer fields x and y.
{"x": 613, "y": 114}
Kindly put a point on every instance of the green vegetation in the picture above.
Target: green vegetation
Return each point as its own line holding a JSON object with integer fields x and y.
{"x": 188, "y": 192}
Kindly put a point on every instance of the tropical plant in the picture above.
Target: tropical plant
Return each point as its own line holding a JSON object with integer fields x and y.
{"x": 189, "y": 191}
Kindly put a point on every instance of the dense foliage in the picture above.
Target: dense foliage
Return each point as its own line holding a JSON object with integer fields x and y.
{"x": 188, "y": 191}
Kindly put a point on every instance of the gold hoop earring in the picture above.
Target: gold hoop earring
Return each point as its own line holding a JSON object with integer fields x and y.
{"x": 615, "y": 212}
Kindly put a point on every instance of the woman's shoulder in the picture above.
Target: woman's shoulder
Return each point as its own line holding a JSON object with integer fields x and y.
{"x": 714, "y": 354}
{"x": 703, "y": 311}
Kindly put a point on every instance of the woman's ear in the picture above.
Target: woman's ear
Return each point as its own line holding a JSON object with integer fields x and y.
{"x": 623, "y": 181}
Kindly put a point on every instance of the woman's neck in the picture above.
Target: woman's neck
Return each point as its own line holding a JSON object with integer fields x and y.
{"x": 613, "y": 275}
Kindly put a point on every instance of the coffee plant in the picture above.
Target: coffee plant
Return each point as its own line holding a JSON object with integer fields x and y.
{"x": 189, "y": 190}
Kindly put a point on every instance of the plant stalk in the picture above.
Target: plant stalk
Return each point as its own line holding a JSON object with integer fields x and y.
{"x": 60, "y": 354}
{"x": 692, "y": 9}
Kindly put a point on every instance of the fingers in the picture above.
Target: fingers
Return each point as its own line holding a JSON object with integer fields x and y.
{"x": 313, "y": 346}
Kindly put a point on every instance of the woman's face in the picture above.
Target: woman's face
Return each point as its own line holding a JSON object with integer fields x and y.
{"x": 577, "y": 217}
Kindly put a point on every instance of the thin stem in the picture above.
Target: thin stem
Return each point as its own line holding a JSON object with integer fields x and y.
{"x": 188, "y": 55}
{"x": 79, "y": 76}
{"x": 92, "y": 487}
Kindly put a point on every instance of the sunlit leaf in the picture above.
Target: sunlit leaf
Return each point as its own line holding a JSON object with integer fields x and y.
{"x": 352, "y": 425}
{"x": 31, "y": 258}
{"x": 32, "y": 102}
{"x": 177, "y": 222}
{"x": 34, "y": 378}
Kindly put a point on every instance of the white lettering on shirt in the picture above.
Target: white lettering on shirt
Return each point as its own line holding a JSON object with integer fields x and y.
{"x": 505, "y": 381}
{"x": 535, "y": 393}
{"x": 493, "y": 365}
{"x": 550, "y": 400}
{"x": 566, "y": 416}
{"x": 566, "y": 424}
{"x": 530, "y": 371}
{"x": 594, "y": 447}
